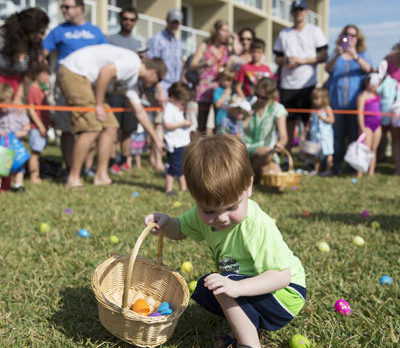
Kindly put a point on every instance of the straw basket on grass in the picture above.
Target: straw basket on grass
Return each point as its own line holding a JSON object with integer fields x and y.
{"x": 119, "y": 281}
{"x": 282, "y": 179}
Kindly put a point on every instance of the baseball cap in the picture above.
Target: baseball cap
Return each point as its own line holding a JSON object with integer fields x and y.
{"x": 239, "y": 102}
{"x": 174, "y": 15}
{"x": 298, "y": 4}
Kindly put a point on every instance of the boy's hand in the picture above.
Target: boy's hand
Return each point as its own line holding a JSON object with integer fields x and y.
{"x": 160, "y": 219}
{"x": 42, "y": 131}
{"x": 222, "y": 285}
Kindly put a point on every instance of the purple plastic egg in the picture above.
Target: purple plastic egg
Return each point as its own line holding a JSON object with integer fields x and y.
{"x": 155, "y": 314}
{"x": 68, "y": 211}
{"x": 365, "y": 213}
{"x": 343, "y": 307}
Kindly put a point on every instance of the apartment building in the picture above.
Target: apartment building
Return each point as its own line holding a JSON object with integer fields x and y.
{"x": 267, "y": 17}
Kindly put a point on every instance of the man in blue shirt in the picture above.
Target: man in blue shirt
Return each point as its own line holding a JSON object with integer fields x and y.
{"x": 167, "y": 46}
{"x": 66, "y": 38}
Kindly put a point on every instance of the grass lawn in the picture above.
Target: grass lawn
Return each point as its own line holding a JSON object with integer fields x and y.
{"x": 45, "y": 296}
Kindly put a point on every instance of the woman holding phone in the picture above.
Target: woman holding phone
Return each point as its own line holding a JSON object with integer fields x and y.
{"x": 347, "y": 68}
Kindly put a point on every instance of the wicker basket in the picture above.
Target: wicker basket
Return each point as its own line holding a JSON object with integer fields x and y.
{"x": 121, "y": 280}
{"x": 282, "y": 179}
{"x": 310, "y": 147}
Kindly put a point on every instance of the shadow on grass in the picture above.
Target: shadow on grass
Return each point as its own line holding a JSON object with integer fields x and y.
{"x": 78, "y": 319}
{"x": 389, "y": 223}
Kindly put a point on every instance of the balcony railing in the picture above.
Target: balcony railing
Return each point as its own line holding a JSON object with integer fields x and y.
{"x": 256, "y": 4}
{"x": 281, "y": 10}
{"x": 147, "y": 26}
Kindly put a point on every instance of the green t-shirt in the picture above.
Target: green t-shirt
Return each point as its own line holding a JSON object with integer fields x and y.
{"x": 251, "y": 247}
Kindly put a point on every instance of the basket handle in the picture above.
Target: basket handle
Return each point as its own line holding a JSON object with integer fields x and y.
{"x": 289, "y": 156}
{"x": 133, "y": 256}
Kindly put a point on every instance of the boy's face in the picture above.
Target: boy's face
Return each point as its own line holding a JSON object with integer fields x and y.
{"x": 237, "y": 113}
{"x": 225, "y": 83}
{"x": 256, "y": 54}
{"x": 226, "y": 216}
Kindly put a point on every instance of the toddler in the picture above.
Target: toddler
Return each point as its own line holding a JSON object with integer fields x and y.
{"x": 260, "y": 284}
{"x": 16, "y": 121}
{"x": 233, "y": 123}
{"x": 321, "y": 129}
{"x": 368, "y": 100}
{"x": 176, "y": 134}
{"x": 40, "y": 120}
{"x": 222, "y": 95}
{"x": 138, "y": 145}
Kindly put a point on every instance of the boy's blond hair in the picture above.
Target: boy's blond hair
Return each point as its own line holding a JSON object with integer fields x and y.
{"x": 6, "y": 93}
{"x": 226, "y": 74}
{"x": 217, "y": 169}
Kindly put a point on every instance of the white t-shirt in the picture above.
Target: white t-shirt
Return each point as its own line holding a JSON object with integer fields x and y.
{"x": 89, "y": 60}
{"x": 179, "y": 136}
{"x": 303, "y": 44}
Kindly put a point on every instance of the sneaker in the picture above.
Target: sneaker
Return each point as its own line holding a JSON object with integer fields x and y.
{"x": 171, "y": 193}
{"x": 115, "y": 169}
{"x": 18, "y": 189}
{"x": 126, "y": 167}
{"x": 89, "y": 173}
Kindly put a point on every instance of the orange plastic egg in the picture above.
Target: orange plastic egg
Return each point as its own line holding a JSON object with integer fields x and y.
{"x": 141, "y": 307}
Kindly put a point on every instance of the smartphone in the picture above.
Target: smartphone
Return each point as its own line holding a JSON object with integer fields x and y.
{"x": 345, "y": 42}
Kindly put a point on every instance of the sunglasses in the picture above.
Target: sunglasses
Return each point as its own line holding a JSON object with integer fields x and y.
{"x": 351, "y": 35}
{"x": 298, "y": 9}
{"x": 66, "y": 7}
{"x": 246, "y": 39}
{"x": 129, "y": 19}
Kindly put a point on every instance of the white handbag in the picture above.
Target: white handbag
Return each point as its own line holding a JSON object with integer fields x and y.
{"x": 358, "y": 155}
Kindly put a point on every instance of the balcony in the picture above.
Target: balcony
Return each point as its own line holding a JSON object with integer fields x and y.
{"x": 255, "y": 4}
{"x": 147, "y": 26}
{"x": 281, "y": 9}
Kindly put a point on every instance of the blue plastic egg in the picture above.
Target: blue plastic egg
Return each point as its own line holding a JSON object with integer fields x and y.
{"x": 385, "y": 280}
{"x": 84, "y": 233}
{"x": 164, "y": 308}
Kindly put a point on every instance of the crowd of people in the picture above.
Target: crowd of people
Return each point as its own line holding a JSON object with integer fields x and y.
{"x": 226, "y": 86}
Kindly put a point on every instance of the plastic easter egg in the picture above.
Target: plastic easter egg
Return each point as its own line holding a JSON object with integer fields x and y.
{"x": 323, "y": 247}
{"x": 187, "y": 267}
{"x": 155, "y": 314}
{"x": 114, "y": 239}
{"x": 141, "y": 307}
{"x": 354, "y": 180}
{"x": 176, "y": 204}
{"x": 365, "y": 213}
{"x": 44, "y": 227}
{"x": 164, "y": 308}
{"x": 357, "y": 240}
{"x": 135, "y": 194}
{"x": 299, "y": 341}
{"x": 343, "y": 307}
{"x": 375, "y": 225}
{"x": 84, "y": 233}
{"x": 192, "y": 286}
{"x": 68, "y": 211}
{"x": 385, "y": 280}
{"x": 306, "y": 213}
{"x": 294, "y": 188}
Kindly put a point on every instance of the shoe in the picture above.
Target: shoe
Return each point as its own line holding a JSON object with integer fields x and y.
{"x": 171, "y": 193}
{"x": 115, "y": 169}
{"x": 126, "y": 167}
{"x": 19, "y": 189}
{"x": 88, "y": 173}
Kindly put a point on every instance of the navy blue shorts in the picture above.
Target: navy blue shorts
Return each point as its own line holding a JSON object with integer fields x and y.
{"x": 175, "y": 162}
{"x": 264, "y": 311}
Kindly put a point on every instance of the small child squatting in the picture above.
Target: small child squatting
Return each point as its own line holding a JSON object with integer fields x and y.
{"x": 261, "y": 284}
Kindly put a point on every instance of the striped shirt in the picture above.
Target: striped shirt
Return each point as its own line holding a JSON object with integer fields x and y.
{"x": 167, "y": 47}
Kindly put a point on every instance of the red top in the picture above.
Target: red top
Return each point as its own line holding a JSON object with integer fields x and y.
{"x": 36, "y": 96}
{"x": 249, "y": 75}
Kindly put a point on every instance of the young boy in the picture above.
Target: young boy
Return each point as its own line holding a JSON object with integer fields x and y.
{"x": 233, "y": 122}
{"x": 176, "y": 134}
{"x": 261, "y": 284}
{"x": 222, "y": 95}
{"x": 40, "y": 120}
{"x": 249, "y": 74}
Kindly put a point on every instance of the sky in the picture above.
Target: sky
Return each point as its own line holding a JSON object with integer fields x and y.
{"x": 379, "y": 20}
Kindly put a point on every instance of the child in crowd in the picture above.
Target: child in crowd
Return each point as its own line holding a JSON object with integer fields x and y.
{"x": 233, "y": 122}
{"x": 222, "y": 94}
{"x": 16, "y": 121}
{"x": 370, "y": 124}
{"x": 176, "y": 134}
{"x": 138, "y": 146}
{"x": 40, "y": 120}
{"x": 321, "y": 129}
{"x": 249, "y": 74}
{"x": 260, "y": 284}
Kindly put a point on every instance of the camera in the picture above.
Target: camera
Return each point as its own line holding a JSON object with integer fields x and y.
{"x": 345, "y": 42}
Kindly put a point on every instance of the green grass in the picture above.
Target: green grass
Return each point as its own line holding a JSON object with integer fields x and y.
{"x": 45, "y": 296}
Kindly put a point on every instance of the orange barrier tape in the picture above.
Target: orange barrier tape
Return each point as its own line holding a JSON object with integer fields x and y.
{"x": 91, "y": 108}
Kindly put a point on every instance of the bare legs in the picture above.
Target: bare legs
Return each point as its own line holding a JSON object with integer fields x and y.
{"x": 34, "y": 171}
{"x": 169, "y": 183}
{"x": 372, "y": 141}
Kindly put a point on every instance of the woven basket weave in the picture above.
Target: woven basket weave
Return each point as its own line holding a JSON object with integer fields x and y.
{"x": 282, "y": 179}
{"x": 119, "y": 281}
